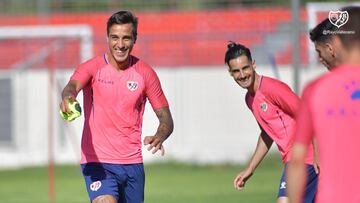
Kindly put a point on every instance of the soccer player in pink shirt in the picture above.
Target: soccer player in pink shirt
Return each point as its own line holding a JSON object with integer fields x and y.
{"x": 115, "y": 87}
{"x": 330, "y": 112}
{"x": 273, "y": 105}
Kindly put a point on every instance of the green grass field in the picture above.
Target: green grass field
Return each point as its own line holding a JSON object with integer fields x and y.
{"x": 170, "y": 183}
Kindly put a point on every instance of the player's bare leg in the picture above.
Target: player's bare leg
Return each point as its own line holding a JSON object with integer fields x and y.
{"x": 105, "y": 199}
{"x": 282, "y": 200}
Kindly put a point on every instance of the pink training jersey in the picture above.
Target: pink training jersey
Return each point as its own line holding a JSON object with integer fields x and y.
{"x": 114, "y": 103}
{"x": 274, "y": 107}
{"x": 330, "y": 110}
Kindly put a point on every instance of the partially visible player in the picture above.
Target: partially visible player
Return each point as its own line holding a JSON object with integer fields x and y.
{"x": 330, "y": 111}
{"x": 327, "y": 44}
{"x": 274, "y": 105}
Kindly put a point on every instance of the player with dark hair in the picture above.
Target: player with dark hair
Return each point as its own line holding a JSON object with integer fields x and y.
{"x": 326, "y": 45}
{"x": 329, "y": 44}
{"x": 115, "y": 87}
{"x": 273, "y": 105}
{"x": 330, "y": 112}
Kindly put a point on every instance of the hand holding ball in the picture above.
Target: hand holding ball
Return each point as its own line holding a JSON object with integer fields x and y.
{"x": 75, "y": 109}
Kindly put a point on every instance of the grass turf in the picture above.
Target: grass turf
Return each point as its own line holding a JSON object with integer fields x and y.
{"x": 170, "y": 183}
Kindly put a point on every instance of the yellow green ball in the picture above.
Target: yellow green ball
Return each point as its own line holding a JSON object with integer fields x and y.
{"x": 75, "y": 109}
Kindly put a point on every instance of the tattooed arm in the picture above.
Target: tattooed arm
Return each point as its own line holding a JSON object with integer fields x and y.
{"x": 164, "y": 130}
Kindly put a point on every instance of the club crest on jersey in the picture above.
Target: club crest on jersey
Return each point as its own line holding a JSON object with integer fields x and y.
{"x": 95, "y": 186}
{"x": 132, "y": 85}
{"x": 263, "y": 107}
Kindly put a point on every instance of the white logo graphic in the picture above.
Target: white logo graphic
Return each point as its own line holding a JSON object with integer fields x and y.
{"x": 263, "y": 106}
{"x": 338, "y": 18}
{"x": 132, "y": 85}
{"x": 283, "y": 185}
{"x": 95, "y": 186}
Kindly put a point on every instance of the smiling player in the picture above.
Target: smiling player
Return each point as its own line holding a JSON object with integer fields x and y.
{"x": 116, "y": 86}
{"x": 273, "y": 105}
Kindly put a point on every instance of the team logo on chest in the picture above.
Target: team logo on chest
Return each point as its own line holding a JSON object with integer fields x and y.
{"x": 132, "y": 85}
{"x": 263, "y": 107}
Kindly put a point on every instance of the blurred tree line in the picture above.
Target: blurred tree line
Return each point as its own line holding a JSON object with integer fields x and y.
{"x": 51, "y": 6}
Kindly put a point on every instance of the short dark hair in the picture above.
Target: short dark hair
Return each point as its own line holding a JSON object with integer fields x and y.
{"x": 350, "y": 40}
{"x": 123, "y": 17}
{"x": 321, "y": 32}
{"x": 235, "y": 50}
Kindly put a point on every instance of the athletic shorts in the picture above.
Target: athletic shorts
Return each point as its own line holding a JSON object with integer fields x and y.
{"x": 311, "y": 184}
{"x": 123, "y": 181}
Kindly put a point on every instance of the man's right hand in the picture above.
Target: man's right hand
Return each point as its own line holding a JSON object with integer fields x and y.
{"x": 241, "y": 178}
{"x": 64, "y": 104}
{"x": 69, "y": 93}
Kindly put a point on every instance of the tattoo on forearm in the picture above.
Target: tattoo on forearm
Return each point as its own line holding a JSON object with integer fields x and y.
{"x": 69, "y": 90}
{"x": 166, "y": 123}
